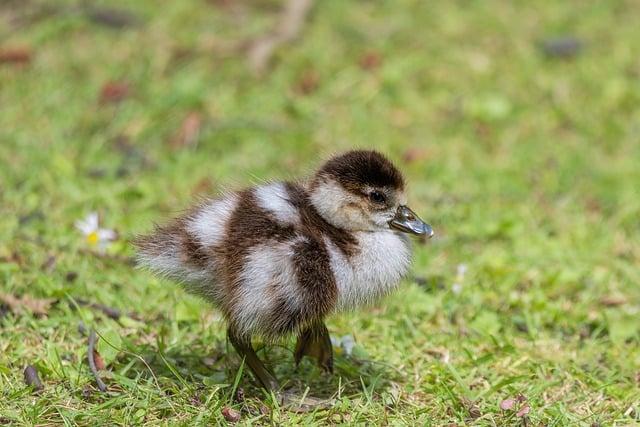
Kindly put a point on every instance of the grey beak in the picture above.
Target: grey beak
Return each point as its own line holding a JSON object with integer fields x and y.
{"x": 408, "y": 222}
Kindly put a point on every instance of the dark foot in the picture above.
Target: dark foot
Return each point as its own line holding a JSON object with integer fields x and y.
{"x": 245, "y": 350}
{"x": 314, "y": 342}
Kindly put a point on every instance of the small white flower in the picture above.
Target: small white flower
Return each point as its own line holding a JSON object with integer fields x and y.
{"x": 95, "y": 236}
{"x": 344, "y": 344}
{"x": 456, "y": 288}
{"x": 461, "y": 271}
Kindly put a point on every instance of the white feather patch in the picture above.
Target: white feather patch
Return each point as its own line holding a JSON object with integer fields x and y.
{"x": 274, "y": 198}
{"x": 268, "y": 273}
{"x": 383, "y": 260}
{"x": 208, "y": 224}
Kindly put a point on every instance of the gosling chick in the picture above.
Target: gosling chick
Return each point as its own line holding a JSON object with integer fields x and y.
{"x": 278, "y": 258}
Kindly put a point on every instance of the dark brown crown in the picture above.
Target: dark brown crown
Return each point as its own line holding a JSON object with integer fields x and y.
{"x": 355, "y": 169}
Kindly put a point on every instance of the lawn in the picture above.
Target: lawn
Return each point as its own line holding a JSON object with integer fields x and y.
{"x": 517, "y": 126}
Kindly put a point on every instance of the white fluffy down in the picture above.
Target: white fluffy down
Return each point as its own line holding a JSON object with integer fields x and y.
{"x": 383, "y": 260}
{"x": 274, "y": 199}
{"x": 268, "y": 272}
{"x": 209, "y": 222}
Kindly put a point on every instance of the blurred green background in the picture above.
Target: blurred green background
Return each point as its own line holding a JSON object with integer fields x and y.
{"x": 518, "y": 128}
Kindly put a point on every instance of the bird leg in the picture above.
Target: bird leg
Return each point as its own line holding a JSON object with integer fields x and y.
{"x": 245, "y": 350}
{"x": 314, "y": 341}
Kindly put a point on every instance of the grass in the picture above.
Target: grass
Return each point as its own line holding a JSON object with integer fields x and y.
{"x": 526, "y": 166}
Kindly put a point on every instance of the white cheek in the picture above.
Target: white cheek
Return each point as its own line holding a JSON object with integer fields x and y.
{"x": 208, "y": 224}
{"x": 274, "y": 198}
{"x": 331, "y": 201}
{"x": 355, "y": 219}
{"x": 381, "y": 219}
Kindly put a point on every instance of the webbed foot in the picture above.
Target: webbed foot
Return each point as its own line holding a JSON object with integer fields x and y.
{"x": 315, "y": 342}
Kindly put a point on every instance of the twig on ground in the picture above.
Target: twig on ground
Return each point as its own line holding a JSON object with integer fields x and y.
{"x": 288, "y": 27}
{"x": 92, "y": 363}
{"x": 110, "y": 312}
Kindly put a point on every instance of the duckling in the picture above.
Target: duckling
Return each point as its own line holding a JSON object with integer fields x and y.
{"x": 278, "y": 258}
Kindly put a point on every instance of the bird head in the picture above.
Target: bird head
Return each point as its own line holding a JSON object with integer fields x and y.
{"x": 364, "y": 191}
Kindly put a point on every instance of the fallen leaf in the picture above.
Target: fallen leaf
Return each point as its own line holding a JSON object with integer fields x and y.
{"x": 638, "y": 377}
{"x": 593, "y": 204}
{"x": 31, "y": 378}
{"x": 114, "y": 91}
{"x": 414, "y": 154}
{"x": 308, "y": 82}
{"x": 613, "y": 300}
{"x": 15, "y": 55}
{"x": 112, "y": 18}
{"x": 37, "y": 306}
{"x": 507, "y": 404}
{"x": 562, "y": 47}
{"x": 35, "y": 215}
{"x": 471, "y": 407}
{"x": 14, "y": 258}
{"x": 122, "y": 143}
{"x": 97, "y": 359}
{"x": 230, "y": 414}
{"x": 370, "y": 61}
{"x": 440, "y": 353}
{"x": 189, "y": 131}
{"x": 524, "y": 410}
{"x": 49, "y": 264}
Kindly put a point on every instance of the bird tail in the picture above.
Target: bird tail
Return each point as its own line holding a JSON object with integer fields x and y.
{"x": 171, "y": 252}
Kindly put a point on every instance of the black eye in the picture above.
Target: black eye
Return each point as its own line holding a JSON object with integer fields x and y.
{"x": 377, "y": 197}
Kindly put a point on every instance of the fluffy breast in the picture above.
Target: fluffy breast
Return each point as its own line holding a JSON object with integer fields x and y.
{"x": 374, "y": 271}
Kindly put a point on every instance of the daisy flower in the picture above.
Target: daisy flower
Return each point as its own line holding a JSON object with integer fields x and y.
{"x": 95, "y": 236}
{"x": 461, "y": 271}
{"x": 344, "y": 344}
